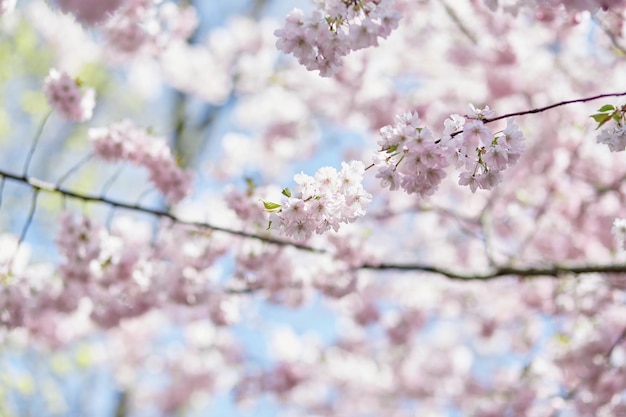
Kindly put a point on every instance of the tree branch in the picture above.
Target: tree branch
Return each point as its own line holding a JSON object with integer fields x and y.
{"x": 40, "y": 185}
{"x": 498, "y": 272}
{"x": 552, "y": 106}
{"x": 545, "y": 108}
{"x": 555, "y": 271}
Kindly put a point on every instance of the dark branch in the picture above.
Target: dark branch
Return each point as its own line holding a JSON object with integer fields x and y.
{"x": 555, "y": 271}
{"x": 550, "y": 271}
{"x": 545, "y": 108}
{"x": 39, "y": 185}
{"x": 552, "y": 106}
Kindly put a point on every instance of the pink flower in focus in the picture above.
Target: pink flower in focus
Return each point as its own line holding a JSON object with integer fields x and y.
{"x": 64, "y": 94}
{"x": 324, "y": 202}
{"x": 474, "y": 130}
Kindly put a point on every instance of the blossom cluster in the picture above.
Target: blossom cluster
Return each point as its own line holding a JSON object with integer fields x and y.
{"x": 281, "y": 379}
{"x": 322, "y": 202}
{"x": 64, "y": 95}
{"x": 124, "y": 141}
{"x": 245, "y": 203}
{"x": 125, "y": 277}
{"x": 319, "y": 40}
{"x": 613, "y": 136}
{"x": 134, "y": 26}
{"x": 484, "y": 154}
{"x": 411, "y": 158}
{"x": 89, "y": 12}
{"x": 148, "y": 25}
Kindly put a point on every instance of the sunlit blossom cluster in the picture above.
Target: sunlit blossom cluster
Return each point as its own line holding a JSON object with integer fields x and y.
{"x": 124, "y": 141}
{"x": 320, "y": 39}
{"x": 411, "y": 158}
{"x": 323, "y": 202}
{"x": 64, "y": 95}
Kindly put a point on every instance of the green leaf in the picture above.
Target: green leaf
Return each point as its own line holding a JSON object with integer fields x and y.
{"x": 601, "y": 118}
{"x": 606, "y": 107}
{"x": 286, "y": 192}
{"x": 269, "y": 206}
{"x": 391, "y": 149}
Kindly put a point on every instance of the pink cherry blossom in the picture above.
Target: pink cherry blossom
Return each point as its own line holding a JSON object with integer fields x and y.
{"x": 466, "y": 261}
{"x": 124, "y": 141}
{"x": 64, "y": 95}
{"x": 321, "y": 39}
{"x": 90, "y": 12}
{"x": 323, "y": 202}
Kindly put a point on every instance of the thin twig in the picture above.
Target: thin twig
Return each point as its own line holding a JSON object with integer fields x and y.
{"x": 107, "y": 185}
{"x": 552, "y": 106}
{"x": 545, "y": 108}
{"x": 619, "y": 340}
{"x": 612, "y": 37}
{"x": 459, "y": 22}
{"x": 143, "y": 195}
{"x": 31, "y": 151}
{"x": 29, "y": 220}
{"x": 74, "y": 168}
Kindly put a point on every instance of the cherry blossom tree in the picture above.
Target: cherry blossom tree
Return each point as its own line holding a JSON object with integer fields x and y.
{"x": 329, "y": 208}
